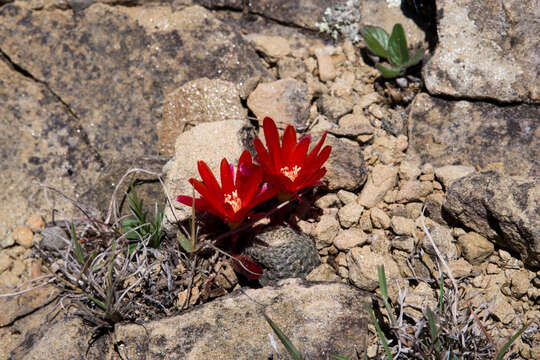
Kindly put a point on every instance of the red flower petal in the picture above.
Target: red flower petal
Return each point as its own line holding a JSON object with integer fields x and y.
{"x": 316, "y": 163}
{"x": 272, "y": 142}
{"x": 253, "y": 272}
{"x": 209, "y": 179}
{"x": 288, "y": 145}
{"x": 263, "y": 157}
{"x": 315, "y": 150}
{"x": 213, "y": 202}
{"x": 227, "y": 182}
{"x": 301, "y": 151}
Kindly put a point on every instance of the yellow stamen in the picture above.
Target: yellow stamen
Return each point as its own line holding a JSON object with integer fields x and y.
{"x": 292, "y": 174}
{"x": 233, "y": 200}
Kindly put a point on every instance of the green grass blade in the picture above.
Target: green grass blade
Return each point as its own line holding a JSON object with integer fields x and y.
{"x": 441, "y": 293}
{"x": 376, "y": 40}
{"x": 379, "y": 332}
{"x": 397, "y": 46}
{"x": 184, "y": 242}
{"x": 293, "y": 351}
{"x": 507, "y": 345}
{"x": 79, "y": 254}
{"x": 384, "y": 292}
{"x": 339, "y": 357}
{"x": 433, "y": 331}
{"x": 110, "y": 285}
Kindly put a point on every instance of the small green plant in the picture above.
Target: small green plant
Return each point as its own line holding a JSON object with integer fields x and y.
{"x": 392, "y": 48}
{"x": 139, "y": 227}
{"x": 435, "y": 336}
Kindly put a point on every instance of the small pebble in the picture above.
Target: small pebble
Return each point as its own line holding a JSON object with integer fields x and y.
{"x": 23, "y": 236}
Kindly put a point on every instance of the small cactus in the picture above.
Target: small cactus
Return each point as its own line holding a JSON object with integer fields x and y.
{"x": 289, "y": 254}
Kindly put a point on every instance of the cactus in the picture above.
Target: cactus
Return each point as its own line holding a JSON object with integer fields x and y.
{"x": 288, "y": 254}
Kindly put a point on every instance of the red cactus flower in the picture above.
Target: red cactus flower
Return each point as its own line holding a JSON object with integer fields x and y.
{"x": 289, "y": 167}
{"x": 249, "y": 268}
{"x": 236, "y": 197}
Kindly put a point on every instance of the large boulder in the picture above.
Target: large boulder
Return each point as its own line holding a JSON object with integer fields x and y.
{"x": 319, "y": 319}
{"x": 83, "y": 88}
{"x": 503, "y": 209}
{"x": 486, "y": 136}
{"x": 486, "y": 50}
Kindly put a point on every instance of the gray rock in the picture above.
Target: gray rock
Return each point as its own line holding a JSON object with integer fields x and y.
{"x": 195, "y": 102}
{"x": 334, "y": 107}
{"x": 486, "y": 50}
{"x": 362, "y": 263}
{"x": 286, "y": 101}
{"x": 478, "y": 134}
{"x": 475, "y": 248}
{"x": 233, "y": 327}
{"x": 382, "y": 179}
{"x": 502, "y": 209}
{"x": 54, "y": 238}
{"x": 291, "y": 68}
{"x": 44, "y": 146}
{"x": 272, "y": 48}
{"x": 345, "y": 167}
{"x": 443, "y": 239}
{"x": 284, "y": 254}
{"x": 447, "y": 174}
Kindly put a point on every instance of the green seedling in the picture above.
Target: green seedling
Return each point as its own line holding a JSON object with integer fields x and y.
{"x": 139, "y": 227}
{"x": 392, "y": 48}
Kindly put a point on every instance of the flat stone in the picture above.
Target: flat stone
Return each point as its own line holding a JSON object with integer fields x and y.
{"x": 443, "y": 239}
{"x": 403, "y": 226}
{"x": 35, "y": 222}
{"x": 382, "y": 179}
{"x": 346, "y": 197}
{"x": 362, "y": 264}
{"x": 323, "y": 272}
{"x": 350, "y": 214}
{"x": 5, "y": 262}
{"x": 403, "y": 243}
{"x": 350, "y": 238}
{"x": 410, "y": 169}
{"x": 503, "y": 209}
{"x": 486, "y": 50}
{"x": 414, "y": 190}
{"x": 327, "y": 71}
{"x": 334, "y": 107}
{"x": 448, "y": 173}
{"x": 271, "y": 47}
{"x": 519, "y": 283}
{"x": 291, "y": 68}
{"x": 232, "y": 327}
{"x": 482, "y": 135}
{"x": 327, "y": 201}
{"x": 325, "y": 231}
{"x": 475, "y": 248}
{"x": 286, "y": 101}
{"x": 345, "y": 167}
{"x": 460, "y": 268}
{"x": 198, "y": 101}
{"x": 379, "y": 218}
{"x": 23, "y": 236}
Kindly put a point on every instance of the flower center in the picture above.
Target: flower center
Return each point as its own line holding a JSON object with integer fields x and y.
{"x": 292, "y": 174}
{"x": 233, "y": 200}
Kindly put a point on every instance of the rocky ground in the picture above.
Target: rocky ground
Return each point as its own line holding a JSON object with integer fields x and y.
{"x": 90, "y": 89}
